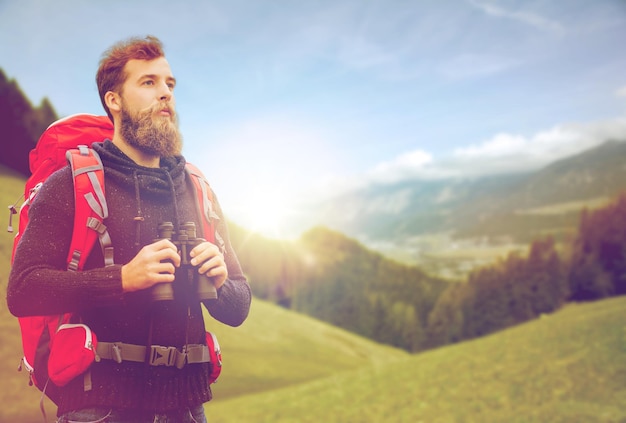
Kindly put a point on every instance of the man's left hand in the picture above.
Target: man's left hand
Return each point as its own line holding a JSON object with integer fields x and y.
{"x": 210, "y": 261}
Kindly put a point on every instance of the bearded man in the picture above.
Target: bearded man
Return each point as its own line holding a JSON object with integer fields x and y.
{"x": 146, "y": 185}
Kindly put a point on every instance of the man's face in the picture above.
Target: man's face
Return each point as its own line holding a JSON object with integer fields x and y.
{"x": 148, "y": 116}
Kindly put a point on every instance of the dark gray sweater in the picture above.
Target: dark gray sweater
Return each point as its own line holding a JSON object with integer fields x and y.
{"x": 40, "y": 285}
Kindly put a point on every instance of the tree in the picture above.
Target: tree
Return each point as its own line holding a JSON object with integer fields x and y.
{"x": 598, "y": 262}
{"x": 546, "y": 277}
{"x": 446, "y": 321}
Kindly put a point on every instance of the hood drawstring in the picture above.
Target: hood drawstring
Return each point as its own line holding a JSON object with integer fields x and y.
{"x": 139, "y": 218}
{"x": 174, "y": 201}
{"x": 189, "y": 273}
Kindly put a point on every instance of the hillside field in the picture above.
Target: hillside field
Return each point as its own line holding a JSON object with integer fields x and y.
{"x": 569, "y": 367}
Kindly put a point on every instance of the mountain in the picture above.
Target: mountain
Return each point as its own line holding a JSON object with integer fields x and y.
{"x": 506, "y": 205}
{"x": 388, "y": 212}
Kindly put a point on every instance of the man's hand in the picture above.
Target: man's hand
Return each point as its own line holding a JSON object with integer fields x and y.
{"x": 154, "y": 263}
{"x": 210, "y": 261}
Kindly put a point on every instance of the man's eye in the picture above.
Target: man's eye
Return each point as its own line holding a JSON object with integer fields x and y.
{"x": 171, "y": 85}
{"x": 148, "y": 82}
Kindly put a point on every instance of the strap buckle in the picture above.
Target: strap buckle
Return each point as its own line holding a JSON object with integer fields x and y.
{"x": 116, "y": 353}
{"x": 163, "y": 356}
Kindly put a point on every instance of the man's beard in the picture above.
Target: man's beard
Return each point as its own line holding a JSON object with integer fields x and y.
{"x": 157, "y": 136}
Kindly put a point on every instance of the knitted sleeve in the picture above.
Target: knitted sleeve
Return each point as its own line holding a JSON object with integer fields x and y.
{"x": 39, "y": 283}
{"x": 233, "y": 300}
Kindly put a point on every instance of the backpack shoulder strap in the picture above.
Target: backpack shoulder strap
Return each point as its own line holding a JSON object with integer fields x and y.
{"x": 204, "y": 201}
{"x": 90, "y": 208}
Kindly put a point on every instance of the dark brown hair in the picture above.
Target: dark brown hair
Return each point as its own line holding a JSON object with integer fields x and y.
{"x": 111, "y": 75}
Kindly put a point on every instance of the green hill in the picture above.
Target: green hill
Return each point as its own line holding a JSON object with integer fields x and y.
{"x": 14, "y": 393}
{"x": 567, "y": 367}
{"x": 277, "y": 348}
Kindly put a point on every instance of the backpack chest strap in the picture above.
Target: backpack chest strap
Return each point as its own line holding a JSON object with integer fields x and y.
{"x": 155, "y": 355}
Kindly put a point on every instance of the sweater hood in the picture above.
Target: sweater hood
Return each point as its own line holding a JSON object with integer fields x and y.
{"x": 164, "y": 180}
{"x": 164, "y": 183}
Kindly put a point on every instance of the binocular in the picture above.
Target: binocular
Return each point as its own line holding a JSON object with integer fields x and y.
{"x": 199, "y": 286}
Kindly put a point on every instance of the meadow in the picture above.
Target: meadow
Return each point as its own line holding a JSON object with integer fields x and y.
{"x": 566, "y": 367}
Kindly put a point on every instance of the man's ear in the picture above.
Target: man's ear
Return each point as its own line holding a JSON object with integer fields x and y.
{"x": 113, "y": 101}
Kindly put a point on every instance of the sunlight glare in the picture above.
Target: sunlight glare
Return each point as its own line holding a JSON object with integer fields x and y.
{"x": 267, "y": 211}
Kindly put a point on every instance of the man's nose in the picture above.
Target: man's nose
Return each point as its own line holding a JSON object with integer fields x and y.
{"x": 165, "y": 92}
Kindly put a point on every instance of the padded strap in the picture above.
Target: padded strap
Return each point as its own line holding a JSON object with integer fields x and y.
{"x": 204, "y": 203}
{"x": 91, "y": 208}
{"x": 155, "y": 355}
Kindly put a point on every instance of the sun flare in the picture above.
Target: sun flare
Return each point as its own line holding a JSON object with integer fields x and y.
{"x": 267, "y": 212}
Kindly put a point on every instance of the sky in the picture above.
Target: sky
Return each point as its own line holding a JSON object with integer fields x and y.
{"x": 283, "y": 103}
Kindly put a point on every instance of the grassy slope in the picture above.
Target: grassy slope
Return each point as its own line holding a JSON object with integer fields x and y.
{"x": 568, "y": 367}
{"x": 14, "y": 391}
{"x": 276, "y": 348}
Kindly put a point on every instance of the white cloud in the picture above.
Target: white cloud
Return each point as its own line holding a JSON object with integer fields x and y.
{"x": 407, "y": 161}
{"x": 503, "y": 152}
{"x": 392, "y": 204}
{"x": 528, "y": 18}
{"x": 511, "y": 152}
{"x": 477, "y": 65}
{"x": 621, "y": 92}
{"x": 403, "y": 166}
{"x": 499, "y": 145}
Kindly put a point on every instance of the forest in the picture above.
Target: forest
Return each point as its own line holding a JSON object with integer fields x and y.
{"x": 21, "y": 123}
{"x": 331, "y": 277}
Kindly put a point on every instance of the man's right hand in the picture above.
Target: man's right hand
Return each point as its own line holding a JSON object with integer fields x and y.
{"x": 154, "y": 263}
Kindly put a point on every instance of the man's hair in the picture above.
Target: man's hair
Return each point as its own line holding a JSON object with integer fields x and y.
{"x": 111, "y": 75}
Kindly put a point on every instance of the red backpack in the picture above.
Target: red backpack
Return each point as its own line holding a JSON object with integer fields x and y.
{"x": 66, "y": 140}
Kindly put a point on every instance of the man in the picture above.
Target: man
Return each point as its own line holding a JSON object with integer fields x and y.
{"x": 146, "y": 185}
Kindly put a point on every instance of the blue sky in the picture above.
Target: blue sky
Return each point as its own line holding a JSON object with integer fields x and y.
{"x": 285, "y": 101}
